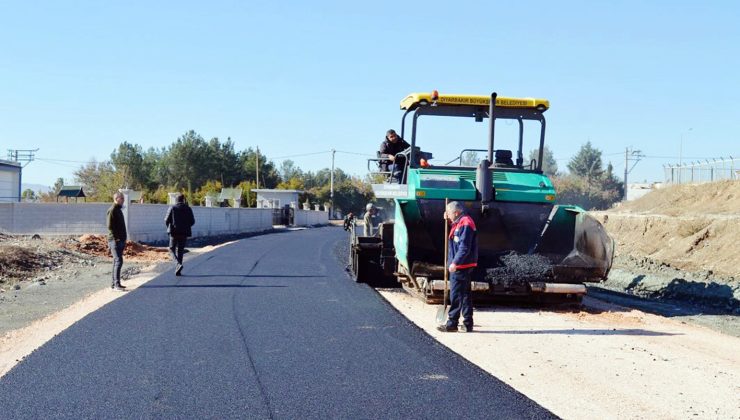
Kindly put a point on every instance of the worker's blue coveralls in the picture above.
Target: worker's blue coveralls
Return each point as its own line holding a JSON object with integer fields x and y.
{"x": 463, "y": 253}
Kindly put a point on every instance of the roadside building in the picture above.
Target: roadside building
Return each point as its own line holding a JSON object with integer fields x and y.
{"x": 275, "y": 199}
{"x": 637, "y": 190}
{"x": 10, "y": 181}
{"x": 71, "y": 191}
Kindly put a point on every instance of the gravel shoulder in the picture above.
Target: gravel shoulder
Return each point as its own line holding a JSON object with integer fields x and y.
{"x": 606, "y": 359}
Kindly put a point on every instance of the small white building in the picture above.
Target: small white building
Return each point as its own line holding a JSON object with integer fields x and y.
{"x": 10, "y": 181}
{"x": 637, "y": 190}
{"x": 275, "y": 199}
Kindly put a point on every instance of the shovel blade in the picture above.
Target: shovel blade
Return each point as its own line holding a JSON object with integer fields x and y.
{"x": 442, "y": 315}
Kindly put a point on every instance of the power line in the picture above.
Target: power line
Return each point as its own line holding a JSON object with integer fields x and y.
{"x": 72, "y": 161}
{"x": 301, "y": 155}
{"x": 355, "y": 153}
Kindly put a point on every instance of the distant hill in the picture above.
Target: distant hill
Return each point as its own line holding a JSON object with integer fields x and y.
{"x": 36, "y": 187}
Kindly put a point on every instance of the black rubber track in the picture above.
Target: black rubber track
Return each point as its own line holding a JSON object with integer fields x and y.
{"x": 267, "y": 327}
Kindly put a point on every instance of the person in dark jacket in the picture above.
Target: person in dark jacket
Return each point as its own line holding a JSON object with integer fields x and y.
{"x": 349, "y": 221}
{"x": 391, "y": 146}
{"x": 462, "y": 259}
{"x": 116, "y": 238}
{"x": 179, "y": 220}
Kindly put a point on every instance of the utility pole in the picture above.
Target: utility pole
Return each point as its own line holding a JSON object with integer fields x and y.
{"x": 27, "y": 155}
{"x": 331, "y": 184}
{"x": 258, "y": 166}
{"x": 630, "y": 156}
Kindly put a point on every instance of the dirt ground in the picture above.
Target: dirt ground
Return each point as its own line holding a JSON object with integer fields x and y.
{"x": 605, "y": 361}
{"x": 679, "y": 242}
{"x": 39, "y": 276}
{"x": 27, "y": 259}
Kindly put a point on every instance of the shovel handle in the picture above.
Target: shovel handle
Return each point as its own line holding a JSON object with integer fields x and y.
{"x": 447, "y": 246}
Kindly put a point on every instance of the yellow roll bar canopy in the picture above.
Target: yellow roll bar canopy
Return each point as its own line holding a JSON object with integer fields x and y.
{"x": 415, "y": 100}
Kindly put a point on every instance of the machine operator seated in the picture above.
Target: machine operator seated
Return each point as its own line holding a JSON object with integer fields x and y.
{"x": 391, "y": 159}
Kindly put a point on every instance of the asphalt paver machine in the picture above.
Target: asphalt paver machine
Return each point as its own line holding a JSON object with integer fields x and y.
{"x": 529, "y": 247}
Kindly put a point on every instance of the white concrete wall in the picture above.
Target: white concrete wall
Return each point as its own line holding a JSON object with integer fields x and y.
{"x": 53, "y": 218}
{"x": 310, "y": 217}
{"x": 146, "y": 221}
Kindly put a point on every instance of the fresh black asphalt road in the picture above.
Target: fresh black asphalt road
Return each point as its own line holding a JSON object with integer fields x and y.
{"x": 267, "y": 327}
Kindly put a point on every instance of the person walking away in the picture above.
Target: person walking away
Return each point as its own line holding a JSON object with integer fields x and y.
{"x": 179, "y": 221}
{"x": 371, "y": 220}
{"x": 461, "y": 261}
{"x": 116, "y": 239}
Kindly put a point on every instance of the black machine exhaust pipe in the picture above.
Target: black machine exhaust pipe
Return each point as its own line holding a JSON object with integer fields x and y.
{"x": 484, "y": 184}
{"x": 483, "y": 176}
{"x": 491, "y": 132}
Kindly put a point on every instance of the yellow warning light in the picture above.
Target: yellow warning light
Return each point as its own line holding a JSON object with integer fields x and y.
{"x": 550, "y": 197}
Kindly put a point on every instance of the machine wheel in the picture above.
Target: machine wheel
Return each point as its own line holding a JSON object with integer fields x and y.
{"x": 359, "y": 268}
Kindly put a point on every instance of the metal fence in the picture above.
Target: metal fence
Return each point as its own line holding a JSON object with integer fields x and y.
{"x": 708, "y": 170}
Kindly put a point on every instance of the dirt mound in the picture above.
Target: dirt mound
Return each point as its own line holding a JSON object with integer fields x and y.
{"x": 690, "y": 227}
{"x": 16, "y": 261}
{"x": 24, "y": 258}
{"x": 722, "y": 197}
{"x": 97, "y": 245}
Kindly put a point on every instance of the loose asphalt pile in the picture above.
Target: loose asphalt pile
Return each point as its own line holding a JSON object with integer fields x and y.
{"x": 519, "y": 268}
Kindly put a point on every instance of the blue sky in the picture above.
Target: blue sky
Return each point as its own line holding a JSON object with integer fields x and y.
{"x": 79, "y": 78}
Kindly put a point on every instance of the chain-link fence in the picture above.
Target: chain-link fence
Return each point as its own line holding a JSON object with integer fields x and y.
{"x": 708, "y": 170}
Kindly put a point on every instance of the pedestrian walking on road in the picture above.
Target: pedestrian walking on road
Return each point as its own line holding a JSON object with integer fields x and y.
{"x": 461, "y": 261}
{"x": 116, "y": 239}
{"x": 179, "y": 221}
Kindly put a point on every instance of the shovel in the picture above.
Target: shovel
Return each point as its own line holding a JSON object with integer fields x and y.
{"x": 442, "y": 311}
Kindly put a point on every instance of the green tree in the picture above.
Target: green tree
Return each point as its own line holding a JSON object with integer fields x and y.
{"x": 323, "y": 177}
{"x": 128, "y": 159}
{"x": 609, "y": 182}
{"x": 294, "y": 183}
{"x": 157, "y": 168}
{"x": 350, "y": 194}
{"x": 577, "y": 190}
{"x": 28, "y": 194}
{"x": 586, "y": 163}
{"x": 225, "y": 164}
{"x": 99, "y": 180}
{"x": 549, "y": 164}
{"x": 587, "y": 185}
{"x": 209, "y": 188}
{"x": 57, "y": 186}
{"x": 188, "y": 160}
{"x": 471, "y": 158}
{"x": 269, "y": 176}
{"x": 249, "y": 198}
{"x": 158, "y": 195}
{"x": 288, "y": 170}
